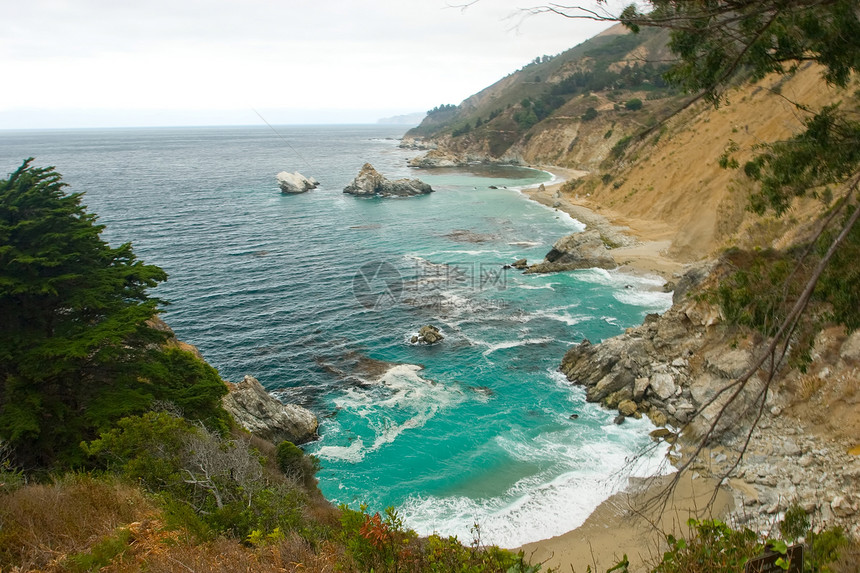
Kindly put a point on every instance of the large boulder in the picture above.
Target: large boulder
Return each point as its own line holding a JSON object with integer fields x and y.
{"x": 369, "y": 183}
{"x": 291, "y": 183}
{"x": 583, "y": 250}
{"x": 263, "y": 415}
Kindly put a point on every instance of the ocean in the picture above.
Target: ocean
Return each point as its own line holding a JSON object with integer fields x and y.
{"x": 318, "y": 296}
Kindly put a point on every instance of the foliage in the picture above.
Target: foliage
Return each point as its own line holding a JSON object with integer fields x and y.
{"x": 442, "y": 108}
{"x": 795, "y": 523}
{"x": 714, "y": 547}
{"x": 720, "y": 39}
{"x": 100, "y": 554}
{"x": 633, "y": 104}
{"x": 73, "y": 314}
{"x": 839, "y": 285}
{"x": 381, "y": 543}
{"x": 289, "y": 457}
{"x": 620, "y": 146}
{"x": 147, "y": 449}
{"x": 77, "y": 351}
{"x": 826, "y": 153}
{"x": 462, "y": 130}
{"x": 589, "y": 114}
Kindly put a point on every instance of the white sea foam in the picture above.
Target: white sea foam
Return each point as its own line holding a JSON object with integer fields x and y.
{"x": 352, "y": 453}
{"x": 548, "y": 286}
{"x": 472, "y": 253}
{"x": 646, "y": 299}
{"x": 539, "y": 506}
{"x": 513, "y": 344}
{"x": 400, "y": 390}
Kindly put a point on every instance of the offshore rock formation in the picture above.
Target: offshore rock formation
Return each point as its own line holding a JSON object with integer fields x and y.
{"x": 428, "y": 335}
{"x": 291, "y": 183}
{"x": 264, "y": 416}
{"x": 369, "y": 182}
{"x": 583, "y": 250}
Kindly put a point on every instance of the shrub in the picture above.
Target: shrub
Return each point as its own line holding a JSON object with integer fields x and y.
{"x": 634, "y": 104}
{"x": 618, "y": 149}
{"x": 589, "y": 114}
{"x": 147, "y": 448}
{"x": 289, "y": 457}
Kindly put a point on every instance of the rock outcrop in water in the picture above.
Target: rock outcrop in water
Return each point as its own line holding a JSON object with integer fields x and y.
{"x": 428, "y": 335}
{"x": 369, "y": 183}
{"x": 583, "y": 250}
{"x": 263, "y": 415}
{"x": 291, "y": 183}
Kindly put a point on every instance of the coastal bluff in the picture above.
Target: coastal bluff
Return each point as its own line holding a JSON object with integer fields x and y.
{"x": 266, "y": 417}
{"x": 370, "y": 183}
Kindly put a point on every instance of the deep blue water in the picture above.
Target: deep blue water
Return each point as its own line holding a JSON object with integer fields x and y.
{"x": 317, "y": 295}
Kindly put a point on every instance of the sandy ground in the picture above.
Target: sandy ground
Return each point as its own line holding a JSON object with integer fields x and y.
{"x": 633, "y": 523}
{"x": 645, "y": 243}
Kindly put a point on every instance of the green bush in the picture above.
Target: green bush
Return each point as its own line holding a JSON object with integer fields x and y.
{"x": 589, "y": 114}
{"x": 147, "y": 449}
{"x": 634, "y": 104}
{"x": 289, "y": 458}
{"x": 101, "y": 554}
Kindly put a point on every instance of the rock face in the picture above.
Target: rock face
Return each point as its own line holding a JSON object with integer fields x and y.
{"x": 264, "y": 416}
{"x": 369, "y": 182}
{"x": 651, "y": 367}
{"x": 291, "y": 183}
{"x": 584, "y": 250}
{"x": 435, "y": 158}
{"x": 428, "y": 335}
{"x": 679, "y": 370}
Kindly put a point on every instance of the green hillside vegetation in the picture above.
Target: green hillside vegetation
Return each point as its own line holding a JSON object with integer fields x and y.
{"x": 557, "y": 86}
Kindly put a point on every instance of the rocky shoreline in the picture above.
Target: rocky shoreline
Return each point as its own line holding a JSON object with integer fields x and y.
{"x": 672, "y": 369}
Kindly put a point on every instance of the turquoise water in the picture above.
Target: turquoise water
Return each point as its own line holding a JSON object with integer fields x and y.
{"x": 319, "y": 294}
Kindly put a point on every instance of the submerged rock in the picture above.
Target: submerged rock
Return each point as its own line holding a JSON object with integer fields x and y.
{"x": 583, "y": 250}
{"x": 369, "y": 182}
{"x": 291, "y": 183}
{"x": 263, "y": 415}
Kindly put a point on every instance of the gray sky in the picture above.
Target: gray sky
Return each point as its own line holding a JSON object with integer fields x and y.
{"x": 92, "y": 63}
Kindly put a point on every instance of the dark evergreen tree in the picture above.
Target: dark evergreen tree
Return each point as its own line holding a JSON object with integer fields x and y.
{"x": 77, "y": 351}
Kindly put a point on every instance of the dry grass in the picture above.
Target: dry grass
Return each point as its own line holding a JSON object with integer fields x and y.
{"x": 41, "y": 525}
{"x": 152, "y": 555}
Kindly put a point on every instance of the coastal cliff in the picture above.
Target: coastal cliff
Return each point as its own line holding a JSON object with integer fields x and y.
{"x": 652, "y": 165}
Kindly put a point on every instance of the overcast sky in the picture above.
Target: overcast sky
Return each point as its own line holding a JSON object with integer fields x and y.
{"x": 93, "y": 63}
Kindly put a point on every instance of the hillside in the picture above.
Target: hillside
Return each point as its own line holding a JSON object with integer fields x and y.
{"x": 567, "y": 110}
{"x": 654, "y": 172}
{"x": 638, "y": 161}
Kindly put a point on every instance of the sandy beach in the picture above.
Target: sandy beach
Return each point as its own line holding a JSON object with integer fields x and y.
{"x": 636, "y": 521}
{"x": 633, "y": 523}
{"x": 645, "y": 244}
